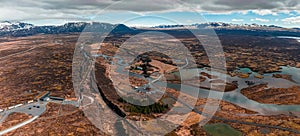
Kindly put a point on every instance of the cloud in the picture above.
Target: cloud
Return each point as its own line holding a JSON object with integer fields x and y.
{"x": 265, "y": 12}
{"x": 80, "y": 9}
{"x": 237, "y": 20}
{"x": 259, "y": 5}
{"x": 261, "y": 20}
{"x": 292, "y": 20}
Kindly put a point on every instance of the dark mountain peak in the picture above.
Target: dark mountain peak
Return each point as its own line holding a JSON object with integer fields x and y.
{"x": 121, "y": 28}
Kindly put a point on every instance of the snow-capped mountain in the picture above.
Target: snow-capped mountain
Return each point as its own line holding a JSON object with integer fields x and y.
{"x": 12, "y": 26}
{"x": 24, "y": 29}
{"x": 229, "y": 26}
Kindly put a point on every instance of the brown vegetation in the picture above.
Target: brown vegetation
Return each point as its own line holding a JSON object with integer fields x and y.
{"x": 283, "y": 96}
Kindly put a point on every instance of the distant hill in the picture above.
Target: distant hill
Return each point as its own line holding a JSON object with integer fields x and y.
{"x": 17, "y": 29}
{"x": 221, "y": 25}
{"x": 237, "y": 29}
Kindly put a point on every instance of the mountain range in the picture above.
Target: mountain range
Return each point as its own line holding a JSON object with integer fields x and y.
{"x": 17, "y": 29}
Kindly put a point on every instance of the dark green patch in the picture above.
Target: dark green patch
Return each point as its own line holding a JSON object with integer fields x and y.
{"x": 221, "y": 129}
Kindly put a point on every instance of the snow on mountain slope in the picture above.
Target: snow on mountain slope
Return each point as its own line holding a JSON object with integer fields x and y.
{"x": 12, "y": 26}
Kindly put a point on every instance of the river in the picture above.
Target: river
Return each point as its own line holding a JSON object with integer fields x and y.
{"x": 235, "y": 97}
{"x": 290, "y": 37}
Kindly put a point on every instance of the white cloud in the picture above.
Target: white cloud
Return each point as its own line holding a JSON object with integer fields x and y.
{"x": 81, "y": 9}
{"x": 265, "y": 12}
{"x": 292, "y": 20}
{"x": 237, "y": 20}
{"x": 261, "y": 20}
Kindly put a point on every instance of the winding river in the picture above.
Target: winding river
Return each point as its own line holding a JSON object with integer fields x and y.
{"x": 234, "y": 97}
{"x": 239, "y": 99}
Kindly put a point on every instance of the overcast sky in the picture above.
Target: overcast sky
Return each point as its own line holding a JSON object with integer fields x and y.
{"x": 145, "y": 12}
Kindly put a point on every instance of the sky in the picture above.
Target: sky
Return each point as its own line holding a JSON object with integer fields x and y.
{"x": 284, "y": 13}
